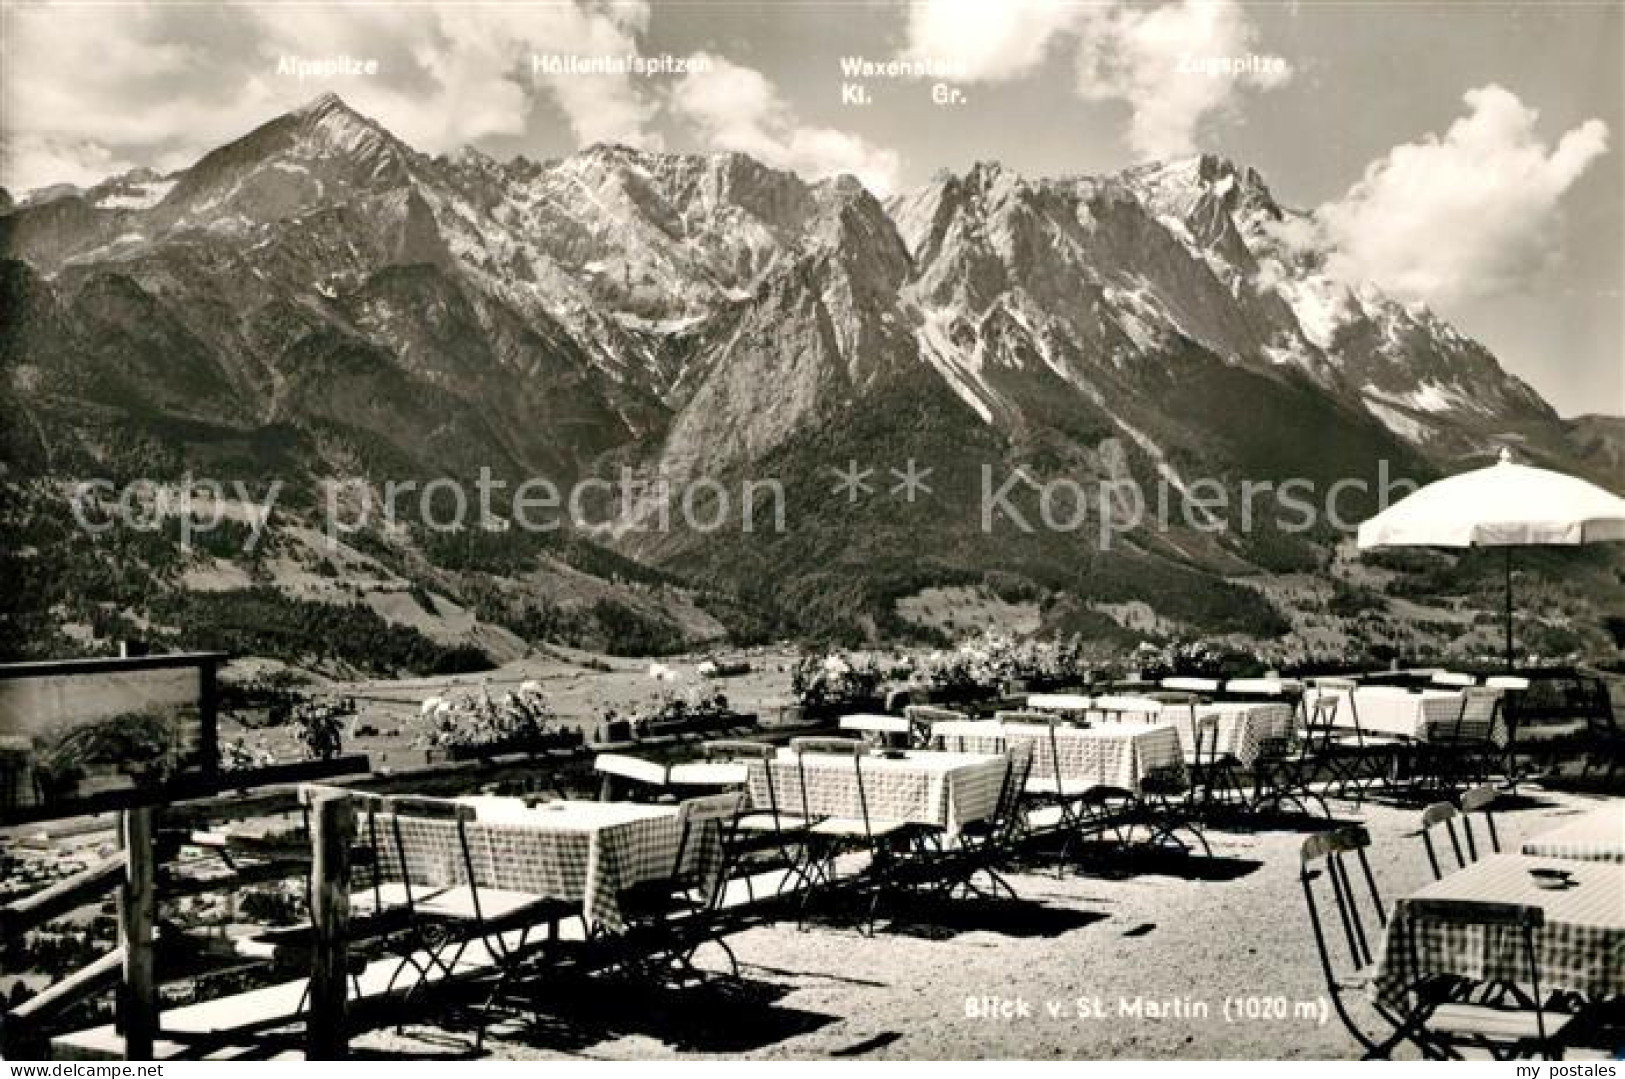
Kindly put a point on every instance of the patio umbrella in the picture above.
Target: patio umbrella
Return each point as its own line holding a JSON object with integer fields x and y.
{"x": 1505, "y": 505}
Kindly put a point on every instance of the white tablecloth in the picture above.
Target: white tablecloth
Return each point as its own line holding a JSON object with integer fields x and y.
{"x": 1115, "y": 756}
{"x": 1580, "y": 948}
{"x": 1243, "y": 726}
{"x": 587, "y": 852}
{"x": 947, "y": 790}
{"x": 1394, "y": 710}
{"x": 1597, "y": 836}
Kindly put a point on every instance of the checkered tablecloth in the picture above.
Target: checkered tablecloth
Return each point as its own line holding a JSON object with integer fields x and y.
{"x": 586, "y": 852}
{"x": 1597, "y": 836}
{"x": 1395, "y": 711}
{"x": 1581, "y": 947}
{"x": 1114, "y": 756}
{"x": 947, "y": 790}
{"x": 1243, "y": 726}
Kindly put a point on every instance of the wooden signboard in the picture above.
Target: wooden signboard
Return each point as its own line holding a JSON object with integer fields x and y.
{"x": 74, "y": 730}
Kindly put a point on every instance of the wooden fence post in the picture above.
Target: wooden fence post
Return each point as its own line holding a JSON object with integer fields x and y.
{"x": 332, "y": 830}
{"x": 137, "y": 914}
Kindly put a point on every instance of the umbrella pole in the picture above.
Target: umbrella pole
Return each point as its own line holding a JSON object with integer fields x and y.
{"x": 1506, "y": 553}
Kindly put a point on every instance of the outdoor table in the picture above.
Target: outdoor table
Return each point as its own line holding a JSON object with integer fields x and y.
{"x": 586, "y": 852}
{"x": 1597, "y": 836}
{"x": 1115, "y": 756}
{"x": 946, "y": 790}
{"x": 1059, "y": 702}
{"x": 1581, "y": 948}
{"x": 1396, "y": 711}
{"x": 1243, "y": 726}
{"x": 1263, "y": 687}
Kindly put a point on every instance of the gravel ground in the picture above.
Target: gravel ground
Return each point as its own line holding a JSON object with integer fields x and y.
{"x": 1179, "y": 938}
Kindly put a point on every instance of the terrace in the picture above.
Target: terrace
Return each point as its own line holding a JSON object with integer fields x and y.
{"x": 1068, "y": 867}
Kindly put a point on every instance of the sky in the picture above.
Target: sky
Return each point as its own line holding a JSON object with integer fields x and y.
{"x": 1463, "y": 156}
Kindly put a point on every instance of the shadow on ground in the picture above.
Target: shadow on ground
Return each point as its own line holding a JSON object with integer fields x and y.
{"x": 718, "y": 1015}
{"x": 938, "y": 918}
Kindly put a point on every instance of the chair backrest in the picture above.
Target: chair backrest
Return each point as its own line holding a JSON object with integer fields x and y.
{"x": 711, "y": 807}
{"x": 1452, "y": 678}
{"x": 1507, "y": 681}
{"x": 424, "y": 846}
{"x": 1479, "y": 720}
{"x": 762, "y": 752}
{"x": 419, "y": 805}
{"x": 849, "y": 747}
{"x": 1042, "y": 719}
{"x": 1442, "y": 816}
{"x": 1309, "y": 735}
{"x": 367, "y": 807}
{"x": 704, "y": 819}
{"x": 1335, "y": 684}
{"x": 1205, "y": 732}
{"x": 735, "y": 750}
{"x": 834, "y": 747}
{"x": 1501, "y": 924}
{"x": 923, "y": 718}
{"x": 1007, "y": 816}
{"x": 1480, "y": 800}
{"x": 1326, "y": 856}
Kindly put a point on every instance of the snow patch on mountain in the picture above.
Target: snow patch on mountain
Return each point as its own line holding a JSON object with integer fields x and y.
{"x": 136, "y": 196}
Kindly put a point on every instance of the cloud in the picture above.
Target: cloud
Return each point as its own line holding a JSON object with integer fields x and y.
{"x": 993, "y": 42}
{"x": 1471, "y": 214}
{"x": 91, "y": 90}
{"x": 734, "y": 107}
{"x": 1173, "y": 64}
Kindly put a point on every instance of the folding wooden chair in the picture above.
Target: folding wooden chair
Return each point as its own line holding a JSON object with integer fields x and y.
{"x": 1370, "y": 748}
{"x": 1499, "y": 1016}
{"x": 1468, "y": 750}
{"x": 1348, "y": 970}
{"x": 833, "y": 835}
{"x": 1515, "y": 705}
{"x": 1047, "y": 786}
{"x": 1285, "y": 767}
{"x": 449, "y": 898}
{"x": 670, "y": 919}
{"x": 985, "y": 845}
{"x": 768, "y": 830}
{"x": 1453, "y": 679}
{"x": 1168, "y": 796}
{"x": 1604, "y": 740}
{"x": 1480, "y": 800}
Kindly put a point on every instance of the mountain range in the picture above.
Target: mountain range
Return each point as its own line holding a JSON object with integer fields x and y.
{"x": 318, "y": 299}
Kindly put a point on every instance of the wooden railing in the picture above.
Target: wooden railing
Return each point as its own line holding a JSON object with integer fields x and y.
{"x": 152, "y": 835}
